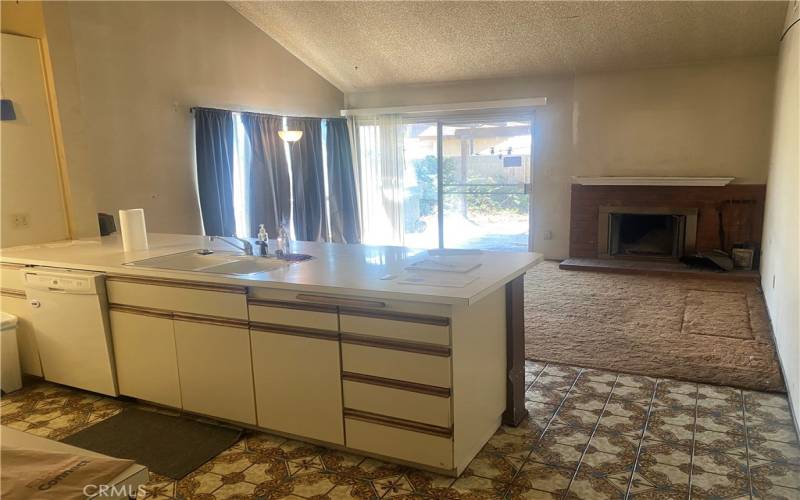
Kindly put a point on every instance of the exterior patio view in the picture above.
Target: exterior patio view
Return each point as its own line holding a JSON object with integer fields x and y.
{"x": 476, "y": 197}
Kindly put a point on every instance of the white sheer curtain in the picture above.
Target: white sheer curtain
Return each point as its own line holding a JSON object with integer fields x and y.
{"x": 378, "y": 148}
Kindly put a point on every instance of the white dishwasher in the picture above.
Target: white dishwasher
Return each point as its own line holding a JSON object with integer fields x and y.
{"x": 70, "y": 320}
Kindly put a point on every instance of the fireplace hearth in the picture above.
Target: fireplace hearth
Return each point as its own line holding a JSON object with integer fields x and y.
{"x": 661, "y": 233}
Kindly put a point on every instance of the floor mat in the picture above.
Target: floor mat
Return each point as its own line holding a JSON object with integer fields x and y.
{"x": 169, "y": 446}
{"x": 717, "y": 314}
{"x": 692, "y": 328}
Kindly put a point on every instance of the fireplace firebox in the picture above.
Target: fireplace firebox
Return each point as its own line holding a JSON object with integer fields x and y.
{"x": 646, "y": 232}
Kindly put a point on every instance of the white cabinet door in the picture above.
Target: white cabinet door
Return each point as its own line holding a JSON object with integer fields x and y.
{"x": 18, "y": 305}
{"x": 298, "y": 384}
{"x": 215, "y": 368}
{"x": 144, "y": 352}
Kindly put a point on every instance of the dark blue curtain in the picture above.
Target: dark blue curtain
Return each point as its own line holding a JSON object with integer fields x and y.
{"x": 308, "y": 180}
{"x": 345, "y": 220}
{"x": 268, "y": 177}
{"x": 214, "y": 148}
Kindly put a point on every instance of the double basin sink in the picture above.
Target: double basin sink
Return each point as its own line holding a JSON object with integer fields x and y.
{"x": 216, "y": 263}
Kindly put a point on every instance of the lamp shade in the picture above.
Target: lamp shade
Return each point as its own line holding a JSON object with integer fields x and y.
{"x": 290, "y": 135}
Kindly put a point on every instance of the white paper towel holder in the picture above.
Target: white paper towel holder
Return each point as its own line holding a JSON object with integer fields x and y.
{"x": 133, "y": 230}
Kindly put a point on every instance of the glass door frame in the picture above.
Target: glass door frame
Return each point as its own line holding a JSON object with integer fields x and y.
{"x": 488, "y": 116}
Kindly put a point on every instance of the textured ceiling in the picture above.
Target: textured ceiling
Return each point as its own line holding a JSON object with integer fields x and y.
{"x": 364, "y": 45}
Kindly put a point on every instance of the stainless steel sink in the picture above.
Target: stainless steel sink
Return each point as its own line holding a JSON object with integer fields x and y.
{"x": 217, "y": 263}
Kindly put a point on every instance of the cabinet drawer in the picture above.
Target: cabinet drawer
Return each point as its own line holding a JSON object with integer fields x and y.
{"x": 396, "y": 442}
{"x": 395, "y": 364}
{"x": 296, "y": 314}
{"x": 181, "y": 296}
{"x": 144, "y": 354}
{"x": 387, "y": 324}
{"x": 407, "y": 404}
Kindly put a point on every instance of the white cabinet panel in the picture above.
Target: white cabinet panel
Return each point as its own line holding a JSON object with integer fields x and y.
{"x": 26, "y": 339}
{"x": 432, "y": 330}
{"x": 399, "y": 403}
{"x": 215, "y": 369}
{"x": 297, "y": 382}
{"x": 186, "y": 297}
{"x": 293, "y": 314}
{"x": 144, "y": 352}
{"x": 403, "y": 444}
{"x": 12, "y": 277}
{"x": 396, "y": 364}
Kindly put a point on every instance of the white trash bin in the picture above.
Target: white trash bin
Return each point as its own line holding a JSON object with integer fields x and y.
{"x": 10, "y": 373}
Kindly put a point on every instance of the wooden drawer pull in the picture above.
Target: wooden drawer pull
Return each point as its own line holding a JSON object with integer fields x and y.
{"x": 430, "y": 390}
{"x": 211, "y": 320}
{"x": 397, "y": 345}
{"x": 395, "y": 316}
{"x": 298, "y": 332}
{"x": 10, "y": 292}
{"x": 292, "y": 305}
{"x": 339, "y": 301}
{"x": 11, "y": 265}
{"x": 398, "y": 423}
{"x": 142, "y": 311}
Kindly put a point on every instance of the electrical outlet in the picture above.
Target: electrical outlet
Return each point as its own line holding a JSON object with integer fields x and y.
{"x": 21, "y": 220}
{"x": 548, "y": 235}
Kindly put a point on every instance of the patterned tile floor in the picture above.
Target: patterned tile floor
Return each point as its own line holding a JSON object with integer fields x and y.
{"x": 590, "y": 435}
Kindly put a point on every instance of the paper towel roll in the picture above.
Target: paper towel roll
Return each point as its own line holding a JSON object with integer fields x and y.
{"x": 133, "y": 229}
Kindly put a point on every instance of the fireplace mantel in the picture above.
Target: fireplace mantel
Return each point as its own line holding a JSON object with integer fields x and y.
{"x": 652, "y": 181}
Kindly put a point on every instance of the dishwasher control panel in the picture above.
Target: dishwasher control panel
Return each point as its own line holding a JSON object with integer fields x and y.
{"x": 63, "y": 281}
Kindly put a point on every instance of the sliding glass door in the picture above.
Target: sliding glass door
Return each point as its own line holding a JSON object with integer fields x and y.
{"x": 421, "y": 185}
{"x": 446, "y": 183}
{"x": 485, "y": 189}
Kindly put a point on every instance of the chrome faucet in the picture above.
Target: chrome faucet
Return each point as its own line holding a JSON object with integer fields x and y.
{"x": 246, "y": 247}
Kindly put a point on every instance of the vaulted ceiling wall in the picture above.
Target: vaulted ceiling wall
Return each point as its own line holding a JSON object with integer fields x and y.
{"x": 367, "y": 45}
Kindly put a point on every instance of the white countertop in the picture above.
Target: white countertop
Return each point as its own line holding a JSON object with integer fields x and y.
{"x": 336, "y": 269}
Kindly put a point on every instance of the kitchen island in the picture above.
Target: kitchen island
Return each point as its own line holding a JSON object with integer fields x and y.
{"x": 342, "y": 350}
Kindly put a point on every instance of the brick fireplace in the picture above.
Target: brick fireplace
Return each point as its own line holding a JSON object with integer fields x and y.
{"x": 646, "y": 232}
{"x": 664, "y": 222}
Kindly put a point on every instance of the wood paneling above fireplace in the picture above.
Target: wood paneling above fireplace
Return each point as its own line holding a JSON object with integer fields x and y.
{"x": 741, "y": 207}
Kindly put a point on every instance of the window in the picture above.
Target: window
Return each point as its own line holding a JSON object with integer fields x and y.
{"x": 241, "y": 180}
{"x": 447, "y": 182}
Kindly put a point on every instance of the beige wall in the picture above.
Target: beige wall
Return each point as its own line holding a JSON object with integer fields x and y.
{"x": 704, "y": 120}
{"x": 30, "y": 185}
{"x": 26, "y": 19}
{"x": 126, "y": 75}
{"x": 780, "y": 259}
{"x": 22, "y": 18}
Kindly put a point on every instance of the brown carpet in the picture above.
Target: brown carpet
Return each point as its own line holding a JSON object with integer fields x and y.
{"x": 692, "y": 328}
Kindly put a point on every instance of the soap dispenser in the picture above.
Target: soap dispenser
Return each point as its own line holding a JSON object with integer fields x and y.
{"x": 263, "y": 240}
{"x": 282, "y": 244}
